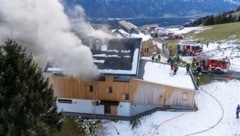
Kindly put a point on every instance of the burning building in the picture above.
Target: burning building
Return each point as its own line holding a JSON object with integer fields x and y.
{"x": 123, "y": 88}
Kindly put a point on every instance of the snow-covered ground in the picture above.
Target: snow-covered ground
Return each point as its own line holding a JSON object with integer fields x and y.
{"x": 188, "y": 29}
{"x": 209, "y": 118}
{"x": 230, "y": 49}
{"x": 216, "y": 102}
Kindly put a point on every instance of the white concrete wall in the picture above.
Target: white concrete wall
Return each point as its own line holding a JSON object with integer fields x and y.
{"x": 139, "y": 108}
{"x": 86, "y": 106}
{"x": 124, "y": 109}
{"x": 80, "y": 106}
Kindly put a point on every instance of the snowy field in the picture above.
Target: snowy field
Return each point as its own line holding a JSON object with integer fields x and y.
{"x": 212, "y": 118}
{"x": 216, "y": 102}
{"x": 230, "y": 49}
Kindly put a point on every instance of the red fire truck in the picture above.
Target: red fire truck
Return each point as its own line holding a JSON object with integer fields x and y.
{"x": 213, "y": 64}
{"x": 189, "y": 47}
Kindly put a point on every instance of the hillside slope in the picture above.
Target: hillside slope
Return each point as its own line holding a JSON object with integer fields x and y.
{"x": 152, "y": 8}
{"x": 218, "y": 32}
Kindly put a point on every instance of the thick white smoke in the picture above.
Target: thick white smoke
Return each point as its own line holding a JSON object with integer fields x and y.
{"x": 44, "y": 25}
{"x": 84, "y": 28}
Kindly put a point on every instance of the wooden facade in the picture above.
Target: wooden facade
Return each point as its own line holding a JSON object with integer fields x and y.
{"x": 108, "y": 90}
{"x": 132, "y": 91}
{"x": 158, "y": 94}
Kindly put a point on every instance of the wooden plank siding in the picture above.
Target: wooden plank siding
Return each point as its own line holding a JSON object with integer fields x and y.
{"x": 69, "y": 87}
{"x": 149, "y": 93}
{"x": 137, "y": 91}
{"x": 152, "y": 93}
{"x": 114, "y": 110}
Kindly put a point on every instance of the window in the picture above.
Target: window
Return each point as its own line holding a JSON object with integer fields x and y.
{"x": 65, "y": 101}
{"x": 185, "y": 94}
{"x": 109, "y": 89}
{"x": 90, "y": 88}
{"x": 96, "y": 103}
{"x": 101, "y": 78}
{"x": 125, "y": 96}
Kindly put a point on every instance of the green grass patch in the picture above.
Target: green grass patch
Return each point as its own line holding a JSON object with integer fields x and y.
{"x": 218, "y": 32}
{"x": 236, "y": 14}
{"x": 69, "y": 128}
{"x": 204, "y": 78}
{"x": 172, "y": 45}
{"x": 148, "y": 45}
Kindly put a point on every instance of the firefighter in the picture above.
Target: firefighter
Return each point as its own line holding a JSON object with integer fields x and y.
{"x": 177, "y": 58}
{"x": 152, "y": 58}
{"x": 159, "y": 57}
{"x": 195, "y": 65}
{"x": 171, "y": 62}
{"x": 187, "y": 67}
{"x": 174, "y": 58}
{"x": 198, "y": 80}
{"x": 175, "y": 68}
{"x": 237, "y": 111}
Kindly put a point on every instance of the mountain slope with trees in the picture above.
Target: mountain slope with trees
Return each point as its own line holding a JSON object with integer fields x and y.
{"x": 225, "y": 17}
{"x": 151, "y": 8}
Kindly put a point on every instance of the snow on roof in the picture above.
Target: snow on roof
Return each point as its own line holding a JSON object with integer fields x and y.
{"x": 124, "y": 33}
{"x": 160, "y": 73}
{"x": 54, "y": 70}
{"x": 127, "y": 24}
{"x": 133, "y": 35}
{"x": 141, "y": 35}
{"x": 132, "y": 71}
{"x": 119, "y": 57}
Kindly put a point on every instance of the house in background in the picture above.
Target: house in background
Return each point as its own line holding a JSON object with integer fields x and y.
{"x": 124, "y": 29}
{"x": 128, "y": 86}
{"x": 125, "y": 26}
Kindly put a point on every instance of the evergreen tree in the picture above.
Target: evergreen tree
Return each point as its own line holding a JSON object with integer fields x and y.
{"x": 238, "y": 19}
{"x": 217, "y": 19}
{"x": 208, "y": 20}
{"x": 238, "y": 9}
{"x": 230, "y": 18}
{"x": 223, "y": 18}
{"x": 26, "y": 99}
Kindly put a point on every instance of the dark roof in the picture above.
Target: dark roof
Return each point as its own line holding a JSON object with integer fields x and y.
{"x": 116, "y": 56}
{"x": 119, "y": 57}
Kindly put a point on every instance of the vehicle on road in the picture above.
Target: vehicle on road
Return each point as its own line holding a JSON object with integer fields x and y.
{"x": 212, "y": 64}
{"x": 189, "y": 47}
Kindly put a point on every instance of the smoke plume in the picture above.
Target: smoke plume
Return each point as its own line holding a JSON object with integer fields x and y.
{"x": 84, "y": 28}
{"x": 43, "y": 26}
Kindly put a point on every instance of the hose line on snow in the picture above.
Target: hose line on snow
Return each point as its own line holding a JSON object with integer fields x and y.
{"x": 221, "y": 118}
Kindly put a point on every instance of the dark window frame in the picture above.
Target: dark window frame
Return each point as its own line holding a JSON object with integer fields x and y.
{"x": 69, "y": 101}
